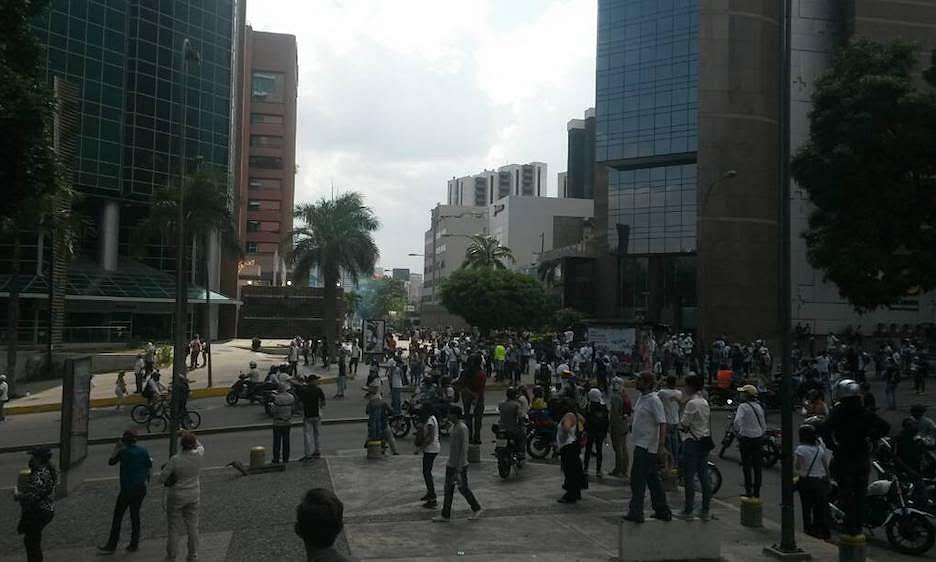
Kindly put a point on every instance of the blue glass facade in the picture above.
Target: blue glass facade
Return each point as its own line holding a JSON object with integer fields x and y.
{"x": 646, "y": 121}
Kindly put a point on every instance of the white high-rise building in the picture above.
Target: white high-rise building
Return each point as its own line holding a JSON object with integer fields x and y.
{"x": 488, "y": 186}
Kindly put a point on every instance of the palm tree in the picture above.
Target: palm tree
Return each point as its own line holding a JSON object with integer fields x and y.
{"x": 336, "y": 236}
{"x": 207, "y": 210}
{"x": 486, "y": 252}
{"x": 352, "y": 300}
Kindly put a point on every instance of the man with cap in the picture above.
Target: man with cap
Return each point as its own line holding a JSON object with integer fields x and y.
{"x": 750, "y": 426}
{"x": 649, "y": 437}
{"x": 37, "y": 501}
{"x": 4, "y": 395}
{"x": 135, "y": 468}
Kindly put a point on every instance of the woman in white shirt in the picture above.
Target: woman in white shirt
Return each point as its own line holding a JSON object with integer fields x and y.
{"x": 811, "y": 461}
{"x": 183, "y": 490}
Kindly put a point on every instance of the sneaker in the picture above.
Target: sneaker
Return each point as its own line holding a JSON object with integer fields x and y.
{"x": 106, "y": 549}
{"x": 666, "y": 516}
{"x": 475, "y": 515}
{"x": 425, "y": 498}
{"x": 632, "y": 518}
{"x": 441, "y": 519}
{"x": 431, "y": 504}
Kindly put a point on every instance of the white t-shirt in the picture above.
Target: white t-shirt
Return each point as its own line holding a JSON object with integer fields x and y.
{"x": 647, "y": 417}
{"x": 396, "y": 377}
{"x": 432, "y": 436}
{"x": 671, "y": 399}
{"x": 805, "y": 454}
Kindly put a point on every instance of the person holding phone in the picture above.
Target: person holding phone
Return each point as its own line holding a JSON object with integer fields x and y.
{"x": 37, "y": 500}
{"x": 135, "y": 467}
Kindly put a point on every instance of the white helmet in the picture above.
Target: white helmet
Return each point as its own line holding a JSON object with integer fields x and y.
{"x": 253, "y": 364}
{"x": 2, "y": 377}
{"x": 847, "y": 388}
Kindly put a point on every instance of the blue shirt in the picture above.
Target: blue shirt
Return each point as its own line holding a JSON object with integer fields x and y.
{"x": 135, "y": 465}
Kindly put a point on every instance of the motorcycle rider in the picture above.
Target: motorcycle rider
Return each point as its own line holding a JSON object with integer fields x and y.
{"x": 852, "y": 428}
{"x": 253, "y": 375}
{"x": 511, "y": 421}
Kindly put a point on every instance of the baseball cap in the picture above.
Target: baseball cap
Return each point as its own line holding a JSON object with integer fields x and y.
{"x": 748, "y": 389}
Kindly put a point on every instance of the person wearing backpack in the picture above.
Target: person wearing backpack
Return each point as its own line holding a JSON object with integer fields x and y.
{"x": 597, "y": 421}
{"x": 427, "y": 439}
{"x": 750, "y": 426}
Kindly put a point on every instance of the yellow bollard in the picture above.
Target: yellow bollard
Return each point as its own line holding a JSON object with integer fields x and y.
{"x": 852, "y": 548}
{"x": 23, "y": 477}
{"x": 752, "y": 512}
{"x": 257, "y": 457}
{"x": 375, "y": 449}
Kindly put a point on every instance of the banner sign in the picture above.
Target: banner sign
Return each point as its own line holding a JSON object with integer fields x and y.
{"x": 373, "y": 333}
{"x": 613, "y": 338}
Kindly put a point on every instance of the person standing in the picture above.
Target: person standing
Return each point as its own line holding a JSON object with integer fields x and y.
{"x": 283, "y": 403}
{"x": 120, "y": 390}
{"x": 750, "y": 426}
{"x": 355, "y": 357}
{"x": 342, "y": 382}
{"x": 811, "y": 461}
{"x": 203, "y": 345}
{"x": 596, "y": 429}
{"x": 4, "y": 396}
{"x": 891, "y": 380}
{"x": 313, "y": 399}
{"x": 696, "y": 423}
{"x": 396, "y": 384}
{"x": 852, "y": 429}
{"x": 431, "y": 450}
{"x": 292, "y": 356}
{"x": 472, "y": 385}
{"x": 567, "y": 443}
{"x": 180, "y": 476}
{"x": 456, "y": 469}
{"x": 305, "y": 352}
{"x": 135, "y": 467}
{"x": 620, "y": 413}
{"x": 194, "y": 350}
{"x": 649, "y": 436}
{"x": 323, "y": 351}
{"x": 139, "y": 369}
{"x": 37, "y": 501}
{"x": 149, "y": 356}
{"x": 671, "y": 398}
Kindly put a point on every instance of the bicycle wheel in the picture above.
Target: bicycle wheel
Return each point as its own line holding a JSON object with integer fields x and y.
{"x": 191, "y": 420}
{"x": 141, "y": 413}
{"x": 157, "y": 425}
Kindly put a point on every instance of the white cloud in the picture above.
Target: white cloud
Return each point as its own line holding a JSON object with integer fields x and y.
{"x": 397, "y": 97}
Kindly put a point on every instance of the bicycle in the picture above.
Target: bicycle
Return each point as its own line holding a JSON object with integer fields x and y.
{"x": 143, "y": 413}
{"x": 189, "y": 420}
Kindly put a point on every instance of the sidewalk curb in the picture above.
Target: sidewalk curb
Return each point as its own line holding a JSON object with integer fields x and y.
{"x": 130, "y": 400}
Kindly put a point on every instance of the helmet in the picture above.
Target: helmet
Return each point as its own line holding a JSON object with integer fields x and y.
{"x": 2, "y": 377}
{"x": 847, "y": 388}
{"x": 253, "y": 364}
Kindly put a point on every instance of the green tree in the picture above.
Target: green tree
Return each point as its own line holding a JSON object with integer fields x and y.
{"x": 383, "y": 296}
{"x": 869, "y": 168}
{"x": 32, "y": 179}
{"x": 352, "y": 303}
{"x": 566, "y": 317}
{"x": 486, "y": 252}
{"x": 336, "y": 236}
{"x": 496, "y": 299}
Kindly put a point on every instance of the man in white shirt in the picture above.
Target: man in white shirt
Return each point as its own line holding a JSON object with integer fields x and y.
{"x": 696, "y": 423}
{"x": 649, "y": 438}
{"x": 750, "y": 426}
{"x": 396, "y": 384}
{"x": 139, "y": 369}
{"x": 431, "y": 449}
{"x": 672, "y": 398}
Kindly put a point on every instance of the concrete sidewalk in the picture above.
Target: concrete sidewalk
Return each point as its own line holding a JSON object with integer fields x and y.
{"x": 250, "y": 518}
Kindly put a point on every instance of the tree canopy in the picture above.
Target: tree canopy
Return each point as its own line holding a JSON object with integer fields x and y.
{"x": 486, "y": 252}
{"x": 381, "y": 296}
{"x": 869, "y": 168}
{"x": 494, "y": 299}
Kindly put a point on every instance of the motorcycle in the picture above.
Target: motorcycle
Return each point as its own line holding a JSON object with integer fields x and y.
{"x": 909, "y": 530}
{"x": 507, "y": 451}
{"x": 409, "y": 417}
{"x": 243, "y": 389}
{"x": 541, "y": 438}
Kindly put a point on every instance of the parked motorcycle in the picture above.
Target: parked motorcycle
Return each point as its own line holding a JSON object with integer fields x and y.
{"x": 909, "y": 529}
{"x": 507, "y": 451}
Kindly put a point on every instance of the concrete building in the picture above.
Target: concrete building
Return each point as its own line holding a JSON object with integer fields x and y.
{"x": 267, "y": 165}
{"x": 530, "y": 226}
{"x": 414, "y": 288}
{"x": 488, "y": 186}
{"x": 563, "y": 183}
{"x": 117, "y": 67}
{"x": 581, "y": 157}
{"x": 446, "y": 242}
{"x": 687, "y": 150}
{"x": 400, "y": 274}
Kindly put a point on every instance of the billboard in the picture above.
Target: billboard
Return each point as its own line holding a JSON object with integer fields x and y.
{"x": 373, "y": 334}
{"x": 76, "y": 402}
{"x": 616, "y": 339}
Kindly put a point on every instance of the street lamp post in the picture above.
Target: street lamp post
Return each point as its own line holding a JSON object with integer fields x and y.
{"x": 178, "y": 359}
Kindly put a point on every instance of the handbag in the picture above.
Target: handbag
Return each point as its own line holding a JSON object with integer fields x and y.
{"x": 808, "y": 470}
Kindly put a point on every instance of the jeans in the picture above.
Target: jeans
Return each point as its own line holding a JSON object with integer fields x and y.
{"x": 342, "y": 386}
{"x": 453, "y": 370}
{"x": 30, "y": 526}
{"x": 644, "y": 474}
{"x": 852, "y": 478}
{"x": 814, "y": 494}
{"x": 572, "y": 471}
{"x": 181, "y": 513}
{"x": 694, "y": 465}
{"x": 751, "y": 459}
{"x": 673, "y": 442}
{"x": 396, "y": 400}
{"x": 461, "y": 475}
{"x": 132, "y": 499}
{"x": 428, "y": 461}
{"x": 596, "y": 442}
{"x": 281, "y": 442}
{"x": 352, "y": 365}
{"x": 890, "y": 394}
{"x": 474, "y": 411}
{"x": 621, "y": 460}
{"x": 310, "y": 435}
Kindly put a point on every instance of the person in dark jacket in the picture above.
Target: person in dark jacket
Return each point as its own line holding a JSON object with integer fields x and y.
{"x": 37, "y": 501}
{"x": 313, "y": 399}
{"x": 135, "y": 467}
{"x": 597, "y": 421}
{"x": 853, "y": 429}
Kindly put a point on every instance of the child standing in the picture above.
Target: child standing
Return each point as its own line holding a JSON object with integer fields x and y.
{"x": 120, "y": 389}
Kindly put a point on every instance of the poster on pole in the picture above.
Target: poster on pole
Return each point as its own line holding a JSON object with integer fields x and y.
{"x": 76, "y": 404}
{"x": 374, "y": 337}
{"x": 616, "y": 339}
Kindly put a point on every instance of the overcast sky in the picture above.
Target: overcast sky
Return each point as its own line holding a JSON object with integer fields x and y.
{"x": 398, "y": 96}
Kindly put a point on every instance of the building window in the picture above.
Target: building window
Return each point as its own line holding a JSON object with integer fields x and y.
{"x": 266, "y": 140}
{"x": 266, "y": 162}
{"x": 253, "y": 226}
{"x": 266, "y": 118}
{"x": 251, "y": 247}
{"x": 264, "y": 183}
{"x": 253, "y": 205}
{"x": 268, "y": 86}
